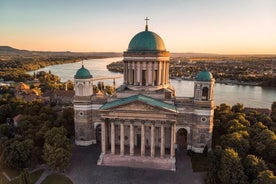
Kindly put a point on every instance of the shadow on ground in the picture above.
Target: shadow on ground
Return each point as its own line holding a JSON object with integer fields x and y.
{"x": 84, "y": 170}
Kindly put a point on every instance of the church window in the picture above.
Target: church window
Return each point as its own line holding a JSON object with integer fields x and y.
{"x": 205, "y": 91}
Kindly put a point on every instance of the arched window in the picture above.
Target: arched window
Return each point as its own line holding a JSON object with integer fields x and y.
{"x": 205, "y": 94}
{"x": 80, "y": 89}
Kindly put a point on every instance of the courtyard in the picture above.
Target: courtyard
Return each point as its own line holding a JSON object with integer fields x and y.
{"x": 84, "y": 170}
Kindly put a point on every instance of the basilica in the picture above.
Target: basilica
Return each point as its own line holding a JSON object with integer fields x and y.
{"x": 144, "y": 123}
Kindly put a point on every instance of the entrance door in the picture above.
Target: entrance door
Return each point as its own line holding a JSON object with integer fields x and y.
{"x": 181, "y": 138}
{"x": 98, "y": 134}
{"x": 138, "y": 140}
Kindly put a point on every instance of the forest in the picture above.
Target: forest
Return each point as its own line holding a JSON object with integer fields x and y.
{"x": 244, "y": 146}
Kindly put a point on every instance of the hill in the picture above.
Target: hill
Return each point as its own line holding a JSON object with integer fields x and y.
{"x": 10, "y": 51}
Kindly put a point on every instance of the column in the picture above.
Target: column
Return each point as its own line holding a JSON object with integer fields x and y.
{"x": 162, "y": 146}
{"x": 139, "y": 74}
{"x": 152, "y": 73}
{"x": 152, "y": 143}
{"x": 172, "y": 141}
{"x": 103, "y": 137}
{"x": 168, "y": 72}
{"x": 122, "y": 139}
{"x": 159, "y": 74}
{"x": 112, "y": 138}
{"x": 131, "y": 139}
{"x": 142, "y": 139}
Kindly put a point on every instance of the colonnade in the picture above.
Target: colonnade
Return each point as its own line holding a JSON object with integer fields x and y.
{"x": 110, "y": 124}
{"x": 146, "y": 73}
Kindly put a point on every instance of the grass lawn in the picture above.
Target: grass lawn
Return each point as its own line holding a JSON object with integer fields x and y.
{"x": 200, "y": 162}
{"x": 57, "y": 178}
{"x": 34, "y": 176}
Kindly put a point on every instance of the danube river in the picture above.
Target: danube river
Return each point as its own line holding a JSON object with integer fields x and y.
{"x": 250, "y": 96}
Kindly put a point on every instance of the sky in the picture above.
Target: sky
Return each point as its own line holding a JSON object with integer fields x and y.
{"x": 200, "y": 26}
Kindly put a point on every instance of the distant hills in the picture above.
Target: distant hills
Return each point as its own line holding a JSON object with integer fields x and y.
{"x": 7, "y": 50}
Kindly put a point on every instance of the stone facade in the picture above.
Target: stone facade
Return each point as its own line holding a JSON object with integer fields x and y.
{"x": 144, "y": 122}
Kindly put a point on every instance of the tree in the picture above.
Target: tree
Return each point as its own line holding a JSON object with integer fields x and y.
{"x": 17, "y": 153}
{"x": 25, "y": 177}
{"x": 215, "y": 158}
{"x": 265, "y": 177}
{"x": 57, "y": 148}
{"x": 265, "y": 145}
{"x": 237, "y": 142}
{"x": 273, "y": 111}
{"x": 231, "y": 169}
{"x": 253, "y": 166}
{"x": 237, "y": 108}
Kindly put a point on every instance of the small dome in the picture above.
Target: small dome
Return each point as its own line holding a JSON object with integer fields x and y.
{"x": 146, "y": 41}
{"x": 204, "y": 76}
{"x": 83, "y": 73}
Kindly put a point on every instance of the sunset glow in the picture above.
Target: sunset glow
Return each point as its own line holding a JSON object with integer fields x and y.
{"x": 232, "y": 27}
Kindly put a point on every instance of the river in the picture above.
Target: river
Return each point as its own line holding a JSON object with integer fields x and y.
{"x": 249, "y": 96}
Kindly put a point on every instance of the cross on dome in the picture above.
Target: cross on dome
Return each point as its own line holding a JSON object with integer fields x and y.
{"x": 147, "y": 19}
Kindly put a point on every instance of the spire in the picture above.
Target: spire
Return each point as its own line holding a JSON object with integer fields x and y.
{"x": 82, "y": 64}
{"x": 147, "y": 19}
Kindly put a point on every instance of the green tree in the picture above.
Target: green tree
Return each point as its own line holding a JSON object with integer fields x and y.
{"x": 237, "y": 108}
{"x": 25, "y": 177}
{"x": 215, "y": 159}
{"x": 57, "y": 148}
{"x": 265, "y": 177}
{"x": 17, "y": 153}
{"x": 231, "y": 169}
{"x": 265, "y": 145}
{"x": 253, "y": 166}
{"x": 237, "y": 142}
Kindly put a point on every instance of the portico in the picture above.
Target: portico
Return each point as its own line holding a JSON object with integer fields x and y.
{"x": 146, "y": 137}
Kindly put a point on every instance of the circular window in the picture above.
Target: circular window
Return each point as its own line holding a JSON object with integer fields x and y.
{"x": 203, "y": 119}
{"x": 81, "y": 113}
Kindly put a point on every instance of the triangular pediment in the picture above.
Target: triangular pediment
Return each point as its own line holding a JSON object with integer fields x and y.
{"x": 139, "y": 103}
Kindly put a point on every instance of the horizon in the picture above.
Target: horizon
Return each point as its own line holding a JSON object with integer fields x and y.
{"x": 222, "y": 28}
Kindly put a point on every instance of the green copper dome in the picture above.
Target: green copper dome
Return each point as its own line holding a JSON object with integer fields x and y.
{"x": 204, "y": 76}
{"x": 83, "y": 73}
{"x": 146, "y": 41}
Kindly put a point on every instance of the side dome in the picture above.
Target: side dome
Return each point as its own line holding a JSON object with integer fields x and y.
{"x": 204, "y": 76}
{"x": 83, "y": 73}
{"x": 146, "y": 41}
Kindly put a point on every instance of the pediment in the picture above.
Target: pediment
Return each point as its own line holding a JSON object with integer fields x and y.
{"x": 137, "y": 106}
{"x": 139, "y": 103}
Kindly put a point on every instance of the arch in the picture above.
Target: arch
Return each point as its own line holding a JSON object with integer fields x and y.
{"x": 98, "y": 132}
{"x": 205, "y": 93}
{"x": 80, "y": 89}
{"x": 181, "y": 138}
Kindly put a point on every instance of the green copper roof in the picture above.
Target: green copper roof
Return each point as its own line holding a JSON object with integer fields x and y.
{"x": 142, "y": 98}
{"x": 83, "y": 73}
{"x": 146, "y": 41}
{"x": 204, "y": 76}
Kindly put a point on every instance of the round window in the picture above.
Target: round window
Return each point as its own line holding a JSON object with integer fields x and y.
{"x": 81, "y": 113}
{"x": 203, "y": 119}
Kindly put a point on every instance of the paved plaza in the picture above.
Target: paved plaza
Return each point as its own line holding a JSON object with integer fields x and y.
{"x": 84, "y": 170}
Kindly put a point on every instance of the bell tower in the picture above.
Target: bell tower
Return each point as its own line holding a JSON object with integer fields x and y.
{"x": 83, "y": 108}
{"x": 204, "y": 86}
